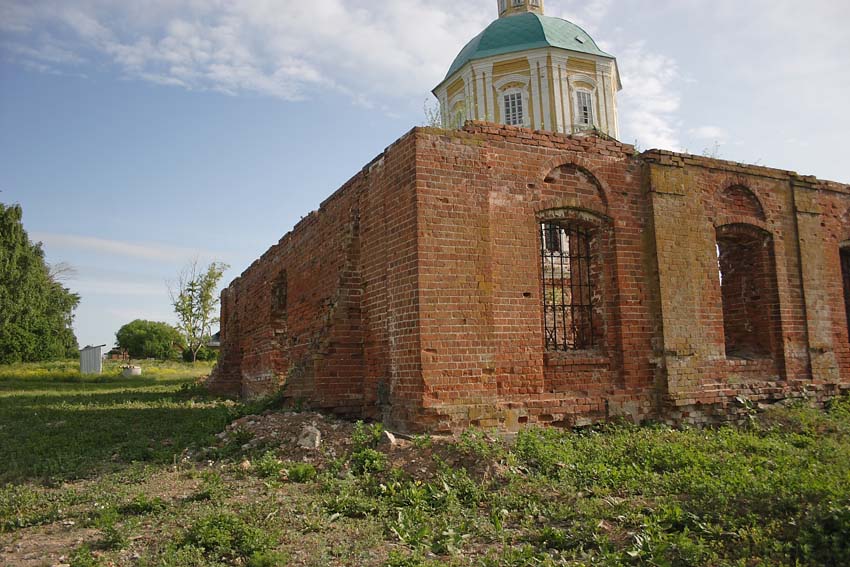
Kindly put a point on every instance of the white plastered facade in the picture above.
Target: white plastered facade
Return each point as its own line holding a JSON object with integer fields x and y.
{"x": 548, "y": 86}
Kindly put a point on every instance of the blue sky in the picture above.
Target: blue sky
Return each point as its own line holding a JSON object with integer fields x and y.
{"x": 138, "y": 136}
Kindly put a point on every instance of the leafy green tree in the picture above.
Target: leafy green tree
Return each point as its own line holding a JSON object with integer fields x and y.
{"x": 36, "y": 311}
{"x": 195, "y": 301}
{"x": 150, "y": 339}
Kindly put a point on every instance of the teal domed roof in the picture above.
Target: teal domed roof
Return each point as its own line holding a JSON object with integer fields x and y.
{"x": 522, "y": 32}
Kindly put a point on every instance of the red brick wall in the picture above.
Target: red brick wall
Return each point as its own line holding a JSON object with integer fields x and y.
{"x": 414, "y": 294}
{"x": 345, "y": 338}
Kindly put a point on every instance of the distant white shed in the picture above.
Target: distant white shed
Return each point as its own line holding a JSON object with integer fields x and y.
{"x": 91, "y": 360}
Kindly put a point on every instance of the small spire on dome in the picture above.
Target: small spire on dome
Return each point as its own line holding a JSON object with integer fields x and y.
{"x": 513, "y": 7}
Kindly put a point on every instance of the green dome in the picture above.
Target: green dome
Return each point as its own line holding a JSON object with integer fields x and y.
{"x": 522, "y": 32}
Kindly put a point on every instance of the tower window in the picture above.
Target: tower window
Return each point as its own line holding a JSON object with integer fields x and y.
{"x": 570, "y": 269}
{"x": 503, "y": 5}
{"x": 519, "y": 2}
{"x": 585, "y": 107}
{"x": 535, "y": 2}
{"x": 513, "y": 109}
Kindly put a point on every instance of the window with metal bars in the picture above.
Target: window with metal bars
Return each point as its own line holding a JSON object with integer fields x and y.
{"x": 585, "y": 107}
{"x": 513, "y": 109}
{"x": 568, "y": 281}
{"x": 845, "y": 275}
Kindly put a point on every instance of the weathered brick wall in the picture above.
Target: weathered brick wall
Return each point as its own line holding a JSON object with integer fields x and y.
{"x": 482, "y": 193}
{"x": 339, "y": 335}
{"x": 415, "y": 294}
{"x": 696, "y": 198}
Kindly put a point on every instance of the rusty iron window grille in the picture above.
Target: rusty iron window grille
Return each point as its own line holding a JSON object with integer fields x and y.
{"x": 568, "y": 292}
{"x": 845, "y": 276}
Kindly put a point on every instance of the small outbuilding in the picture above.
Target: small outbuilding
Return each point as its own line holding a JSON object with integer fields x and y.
{"x": 91, "y": 360}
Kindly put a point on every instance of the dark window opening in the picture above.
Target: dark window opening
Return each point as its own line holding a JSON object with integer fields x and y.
{"x": 570, "y": 273}
{"x": 279, "y": 292}
{"x": 749, "y": 291}
{"x": 845, "y": 275}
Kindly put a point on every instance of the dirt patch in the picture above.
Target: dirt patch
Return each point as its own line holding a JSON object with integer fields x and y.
{"x": 43, "y": 546}
{"x": 280, "y": 432}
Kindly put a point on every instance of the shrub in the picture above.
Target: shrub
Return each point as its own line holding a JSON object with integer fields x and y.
{"x": 368, "y": 461}
{"x": 366, "y": 436}
{"x": 825, "y": 539}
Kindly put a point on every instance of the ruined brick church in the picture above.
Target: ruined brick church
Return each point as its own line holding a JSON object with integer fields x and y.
{"x": 521, "y": 266}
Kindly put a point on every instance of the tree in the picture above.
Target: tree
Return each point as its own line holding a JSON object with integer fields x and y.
{"x": 433, "y": 115}
{"x": 150, "y": 339}
{"x": 36, "y": 310}
{"x": 195, "y": 302}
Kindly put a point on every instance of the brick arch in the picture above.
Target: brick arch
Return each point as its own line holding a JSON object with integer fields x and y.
{"x": 575, "y": 185}
{"x": 738, "y": 200}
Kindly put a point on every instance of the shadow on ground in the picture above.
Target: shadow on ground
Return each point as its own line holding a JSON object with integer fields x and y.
{"x": 53, "y": 430}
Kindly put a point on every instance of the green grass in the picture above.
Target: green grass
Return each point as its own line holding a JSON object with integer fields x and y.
{"x": 57, "y": 425}
{"x": 776, "y": 492}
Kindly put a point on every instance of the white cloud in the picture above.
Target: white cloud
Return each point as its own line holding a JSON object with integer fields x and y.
{"x": 711, "y": 133}
{"x": 285, "y": 50}
{"x": 588, "y": 14}
{"x": 650, "y": 99}
{"x": 288, "y": 50}
{"x": 143, "y": 251}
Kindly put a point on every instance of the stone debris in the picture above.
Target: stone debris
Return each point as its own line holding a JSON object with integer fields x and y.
{"x": 310, "y": 437}
{"x": 387, "y": 440}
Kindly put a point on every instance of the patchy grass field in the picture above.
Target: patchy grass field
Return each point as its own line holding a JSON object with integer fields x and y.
{"x": 115, "y": 472}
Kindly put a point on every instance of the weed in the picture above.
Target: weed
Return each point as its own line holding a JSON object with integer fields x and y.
{"x": 399, "y": 559}
{"x": 366, "y": 436}
{"x": 367, "y": 461}
{"x": 212, "y": 488}
{"x": 268, "y": 465}
{"x": 83, "y": 557}
{"x": 143, "y": 504}
{"x": 223, "y": 534}
{"x": 112, "y": 537}
{"x": 347, "y": 500}
{"x": 301, "y": 472}
{"x": 268, "y": 559}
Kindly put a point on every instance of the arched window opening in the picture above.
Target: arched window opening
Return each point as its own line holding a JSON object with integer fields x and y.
{"x": 749, "y": 291}
{"x": 845, "y": 276}
{"x": 571, "y": 267}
